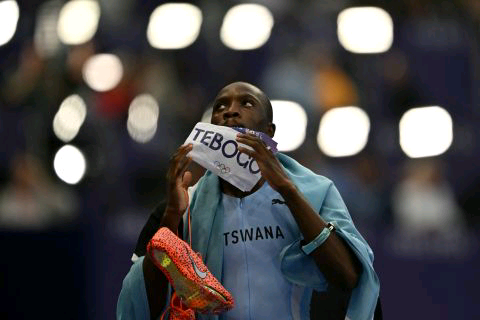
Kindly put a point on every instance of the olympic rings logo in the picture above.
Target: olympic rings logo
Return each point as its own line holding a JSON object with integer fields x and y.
{"x": 221, "y": 167}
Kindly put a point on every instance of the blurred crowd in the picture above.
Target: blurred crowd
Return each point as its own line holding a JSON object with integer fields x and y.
{"x": 413, "y": 207}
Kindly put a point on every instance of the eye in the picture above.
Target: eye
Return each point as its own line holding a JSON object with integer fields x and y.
{"x": 219, "y": 107}
{"x": 247, "y": 103}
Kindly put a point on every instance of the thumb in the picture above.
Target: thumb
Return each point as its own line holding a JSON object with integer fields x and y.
{"x": 186, "y": 179}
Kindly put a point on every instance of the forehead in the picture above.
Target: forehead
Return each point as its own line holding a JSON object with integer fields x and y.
{"x": 239, "y": 89}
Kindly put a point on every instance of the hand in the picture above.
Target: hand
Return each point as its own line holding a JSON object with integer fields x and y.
{"x": 178, "y": 180}
{"x": 268, "y": 164}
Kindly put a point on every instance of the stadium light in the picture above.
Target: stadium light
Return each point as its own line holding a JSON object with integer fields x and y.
{"x": 78, "y": 21}
{"x": 142, "y": 118}
{"x": 69, "y": 118}
{"x": 343, "y": 131}
{"x": 174, "y": 26}
{"x": 291, "y": 124}
{"x": 365, "y": 30}
{"x": 426, "y": 131}
{"x": 70, "y": 164}
{"x": 9, "y": 14}
{"x": 246, "y": 27}
{"x": 103, "y": 72}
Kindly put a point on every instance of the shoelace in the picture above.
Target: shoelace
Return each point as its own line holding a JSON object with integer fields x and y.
{"x": 172, "y": 306}
{"x": 189, "y": 220}
{"x": 181, "y": 311}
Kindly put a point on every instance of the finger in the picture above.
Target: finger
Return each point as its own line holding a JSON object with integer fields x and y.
{"x": 182, "y": 167}
{"x": 248, "y": 152}
{"x": 187, "y": 179}
{"x": 176, "y": 160}
{"x": 252, "y": 141}
{"x": 250, "y": 137}
{"x": 180, "y": 156}
{"x": 182, "y": 151}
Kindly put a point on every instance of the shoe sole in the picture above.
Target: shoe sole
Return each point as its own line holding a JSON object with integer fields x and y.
{"x": 189, "y": 291}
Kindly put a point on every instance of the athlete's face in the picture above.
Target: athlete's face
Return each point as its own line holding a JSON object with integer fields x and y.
{"x": 241, "y": 105}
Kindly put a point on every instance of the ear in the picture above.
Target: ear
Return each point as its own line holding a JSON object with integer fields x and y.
{"x": 271, "y": 129}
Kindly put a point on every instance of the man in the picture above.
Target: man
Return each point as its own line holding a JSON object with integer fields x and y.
{"x": 304, "y": 237}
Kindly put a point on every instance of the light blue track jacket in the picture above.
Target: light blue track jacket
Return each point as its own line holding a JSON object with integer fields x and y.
{"x": 297, "y": 267}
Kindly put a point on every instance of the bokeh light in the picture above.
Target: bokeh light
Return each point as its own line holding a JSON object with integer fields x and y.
{"x": 70, "y": 164}
{"x": 69, "y": 118}
{"x": 426, "y": 131}
{"x": 45, "y": 38}
{"x": 9, "y": 14}
{"x": 365, "y": 30}
{"x": 343, "y": 131}
{"x": 291, "y": 124}
{"x": 174, "y": 26}
{"x": 246, "y": 27}
{"x": 142, "y": 118}
{"x": 78, "y": 21}
{"x": 103, "y": 72}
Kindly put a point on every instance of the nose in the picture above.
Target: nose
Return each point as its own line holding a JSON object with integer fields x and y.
{"x": 232, "y": 110}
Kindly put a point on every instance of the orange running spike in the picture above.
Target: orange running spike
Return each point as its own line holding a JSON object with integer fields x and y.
{"x": 185, "y": 270}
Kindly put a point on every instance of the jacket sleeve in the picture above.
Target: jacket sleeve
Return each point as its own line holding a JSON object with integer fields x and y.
{"x": 302, "y": 270}
{"x": 132, "y": 302}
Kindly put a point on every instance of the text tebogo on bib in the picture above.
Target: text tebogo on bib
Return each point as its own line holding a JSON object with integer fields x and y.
{"x": 215, "y": 149}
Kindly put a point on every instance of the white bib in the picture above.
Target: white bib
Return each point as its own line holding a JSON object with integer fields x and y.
{"x": 215, "y": 149}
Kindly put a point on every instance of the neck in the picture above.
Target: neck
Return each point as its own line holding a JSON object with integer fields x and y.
{"x": 233, "y": 191}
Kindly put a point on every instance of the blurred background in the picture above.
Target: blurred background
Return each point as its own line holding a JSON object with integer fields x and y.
{"x": 382, "y": 97}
